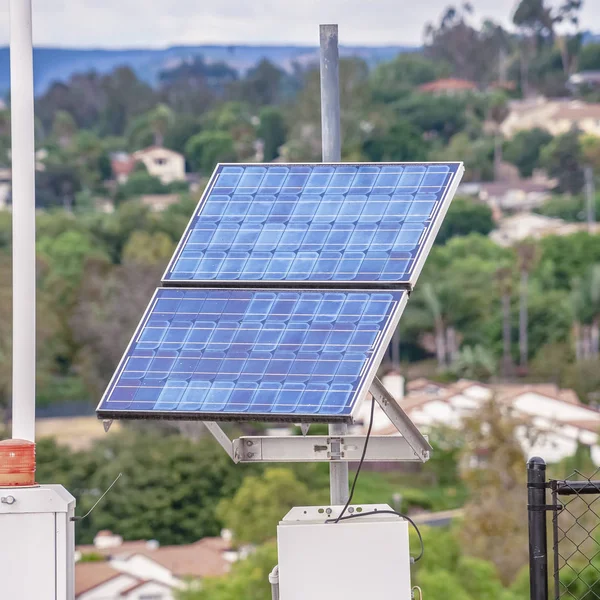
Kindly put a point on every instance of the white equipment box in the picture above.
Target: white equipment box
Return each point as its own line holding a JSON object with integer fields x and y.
{"x": 357, "y": 559}
{"x": 37, "y": 543}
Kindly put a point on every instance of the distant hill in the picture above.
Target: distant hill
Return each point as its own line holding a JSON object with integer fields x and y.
{"x": 58, "y": 64}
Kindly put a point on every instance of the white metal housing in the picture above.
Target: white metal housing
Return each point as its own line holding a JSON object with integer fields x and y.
{"x": 366, "y": 557}
{"x": 37, "y": 543}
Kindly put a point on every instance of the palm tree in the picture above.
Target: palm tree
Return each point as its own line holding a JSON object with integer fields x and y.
{"x": 64, "y": 128}
{"x": 474, "y": 362}
{"x": 435, "y": 308}
{"x": 585, "y": 310}
{"x": 577, "y": 303}
{"x": 160, "y": 119}
{"x": 497, "y": 112}
{"x": 527, "y": 256}
{"x": 504, "y": 281}
{"x": 594, "y": 291}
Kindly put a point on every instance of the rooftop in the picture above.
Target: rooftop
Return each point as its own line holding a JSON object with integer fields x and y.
{"x": 448, "y": 85}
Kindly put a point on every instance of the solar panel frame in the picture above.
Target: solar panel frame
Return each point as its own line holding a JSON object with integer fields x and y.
{"x": 360, "y": 394}
{"x": 437, "y": 218}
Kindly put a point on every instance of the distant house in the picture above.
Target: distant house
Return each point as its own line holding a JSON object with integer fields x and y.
{"x": 510, "y": 192}
{"x": 555, "y": 116}
{"x": 448, "y": 87}
{"x": 510, "y": 196}
{"x": 122, "y": 165}
{"x": 584, "y": 79}
{"x": 145, "y": 570}
{"x": 167, "y": 165}
{"x": 559, "y": 419}
{"x": 159, "y": 202}
{"x": 520, "y": 226}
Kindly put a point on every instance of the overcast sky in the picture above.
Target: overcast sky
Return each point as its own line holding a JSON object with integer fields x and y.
{"x": 131, "y": 23}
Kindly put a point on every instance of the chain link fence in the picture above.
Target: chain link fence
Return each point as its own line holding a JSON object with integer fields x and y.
{"x": 574, "y": 527}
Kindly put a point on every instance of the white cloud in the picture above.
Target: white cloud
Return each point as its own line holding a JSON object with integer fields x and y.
{"x": 130, "y": 23}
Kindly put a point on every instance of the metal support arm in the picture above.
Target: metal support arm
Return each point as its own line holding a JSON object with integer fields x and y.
{"x": 221, "y": 437}
{"x": 401, "y": 421}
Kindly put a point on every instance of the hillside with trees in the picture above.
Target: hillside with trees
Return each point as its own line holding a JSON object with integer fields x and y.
{"x": 526, "y": 311}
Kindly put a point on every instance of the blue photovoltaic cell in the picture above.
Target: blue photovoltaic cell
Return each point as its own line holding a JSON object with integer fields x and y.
{"x": 309, "y": 223}
{"x": 304, "y": 354}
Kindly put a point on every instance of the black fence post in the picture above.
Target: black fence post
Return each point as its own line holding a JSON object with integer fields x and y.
{"x": 538, "y": 543}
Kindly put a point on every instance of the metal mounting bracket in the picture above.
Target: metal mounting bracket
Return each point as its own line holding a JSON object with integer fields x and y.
{"x": 401, "y": 421}
{"x": 322, "y": 448}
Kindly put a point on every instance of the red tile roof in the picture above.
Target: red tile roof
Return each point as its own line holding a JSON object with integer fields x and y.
{"x": 92, "y": 574}
{"x": 448, "y": 85}
{"x": 202, "y": 559}
{"x": 122, "y": 165}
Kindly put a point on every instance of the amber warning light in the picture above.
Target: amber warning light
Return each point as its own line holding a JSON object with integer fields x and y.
{"x": 17, "y": 463}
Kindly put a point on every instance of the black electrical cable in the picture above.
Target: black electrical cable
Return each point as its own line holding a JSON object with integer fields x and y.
{"x": 374, "y": 512}
{"x": 386, "y": 512}
{"x": 360, "y": 464}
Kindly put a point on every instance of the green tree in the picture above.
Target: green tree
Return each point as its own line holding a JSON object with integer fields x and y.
{"x": 474, "y": 362}
{"x": 589, "y": 57}
{"x": 152, "y": 127}
{"x": 272, "y": 130}
{"x": 208, "y": 148}
{"x": 64, "y": 128}
{"x": 477, "y": 154}
{"x": 138, "y": 184}
{"x": 442, "y": 585}
{"x": 495, "y": 470}
{"x": 480, "y": 578}
{"x": 260, "y": 503}
{"x": 563, "y": 157}
{"x": 505, "y": 284}
{"x": 498, "y": 110}
{"x": 436, "y": 116}
{"x": 402, "y": 142}
{"x": 168, "y": 491}
{"x": 395, "y": 79}
{"x": 262, "y": 85}
{"x": 527, "y": 256}
{"x": 464, "y": 217}
{"x": 525, "y": 148}
{"x": 145, "y": 248}
{"x": 249, "y": 579}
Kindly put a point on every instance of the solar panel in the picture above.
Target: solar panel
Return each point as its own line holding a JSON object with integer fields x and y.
{"x": 285, "y": 355}
{"x": 315, "y": 224}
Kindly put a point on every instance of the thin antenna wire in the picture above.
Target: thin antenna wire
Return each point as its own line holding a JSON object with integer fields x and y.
{"x": 87, "y": 514}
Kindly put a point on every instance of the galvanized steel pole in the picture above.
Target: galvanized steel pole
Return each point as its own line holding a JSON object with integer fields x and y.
{"x": 23, "y": 220}
{"x": 332, "y": 152}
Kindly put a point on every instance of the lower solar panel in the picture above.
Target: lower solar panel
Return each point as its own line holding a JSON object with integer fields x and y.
{"x": 217, "y": 354}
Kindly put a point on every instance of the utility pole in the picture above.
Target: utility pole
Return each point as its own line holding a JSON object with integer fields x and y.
{"x": 332, "y": 152}
{"x": 23, "y": 220}
{"x": 590, "y": 195}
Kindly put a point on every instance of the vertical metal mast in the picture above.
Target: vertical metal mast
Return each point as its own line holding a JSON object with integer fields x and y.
{"x": 332, "y": 152}
{"x": 23, "y": 220}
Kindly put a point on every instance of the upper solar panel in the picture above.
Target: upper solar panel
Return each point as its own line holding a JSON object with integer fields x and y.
{"x": 299, "y": 355}
{"x": 315, "y": 223}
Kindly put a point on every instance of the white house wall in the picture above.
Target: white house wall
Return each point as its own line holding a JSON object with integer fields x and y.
{"x": 535, "y": 404}
{"x": 151, "y": 590}
{"x": 110, "y": 590}
{"x": 142, "y": 567}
